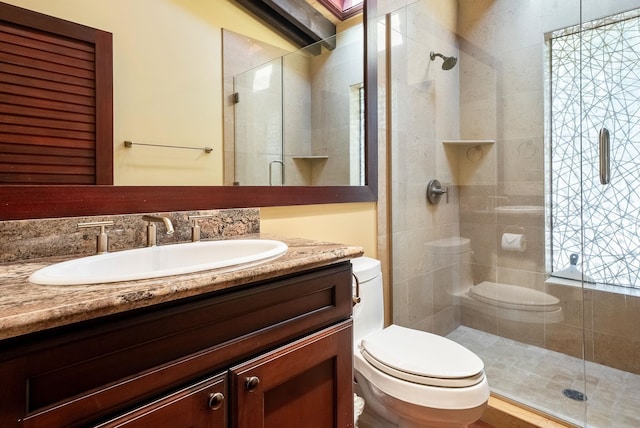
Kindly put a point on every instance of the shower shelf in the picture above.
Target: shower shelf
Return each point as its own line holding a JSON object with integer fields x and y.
{"x": 310, "y": 157}
{"x": 468, "y": 142}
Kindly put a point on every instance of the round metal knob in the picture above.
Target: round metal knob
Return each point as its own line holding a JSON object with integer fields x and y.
{"x": 215, "y": 400}
{"x": 434, "y": 191}
{"x": 251, "y": 383}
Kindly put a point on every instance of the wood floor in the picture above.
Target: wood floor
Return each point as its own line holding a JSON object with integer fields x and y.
{"x": 481, "y": 424}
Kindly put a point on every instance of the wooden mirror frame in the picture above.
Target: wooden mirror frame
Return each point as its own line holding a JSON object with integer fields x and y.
{"x": 37, "y": 201}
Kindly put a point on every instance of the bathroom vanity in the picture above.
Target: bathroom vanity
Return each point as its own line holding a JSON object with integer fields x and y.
{"x": 267, "y": 346}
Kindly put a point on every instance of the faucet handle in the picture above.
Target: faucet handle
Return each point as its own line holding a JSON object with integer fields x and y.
{"x": 102, "y": 240}
{"x": 195, "y": 227}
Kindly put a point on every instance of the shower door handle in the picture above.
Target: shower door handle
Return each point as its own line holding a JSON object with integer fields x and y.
{"x": 281, "y": 172}
{"x": 605, "y": 156}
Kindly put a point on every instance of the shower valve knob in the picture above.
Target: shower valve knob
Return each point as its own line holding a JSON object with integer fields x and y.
{"x": 434, "y": 191}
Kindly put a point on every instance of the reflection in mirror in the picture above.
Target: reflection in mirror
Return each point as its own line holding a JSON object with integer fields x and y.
{"x": 295, "y": 119}
{"x": 193, "y": 22}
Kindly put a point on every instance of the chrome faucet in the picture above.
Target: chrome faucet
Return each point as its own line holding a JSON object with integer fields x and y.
{"x": 151, "y": 227}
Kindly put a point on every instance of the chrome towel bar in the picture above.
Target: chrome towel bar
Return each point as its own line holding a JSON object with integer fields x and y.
{"x": 130, "y": 144}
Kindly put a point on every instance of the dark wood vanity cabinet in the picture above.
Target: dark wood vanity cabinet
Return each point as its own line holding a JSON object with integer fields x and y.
{"x": 273, "y": 353}
{"x": 201, "y": 405}
{"x": 306, "y": 384}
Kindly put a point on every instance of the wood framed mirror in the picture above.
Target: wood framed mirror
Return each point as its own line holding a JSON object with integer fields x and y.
{"x": 45, "y": 201}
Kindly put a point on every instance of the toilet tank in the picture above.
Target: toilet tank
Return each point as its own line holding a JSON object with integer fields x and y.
{"x": 368, "y": 315}
{"x": 452, "y": 254}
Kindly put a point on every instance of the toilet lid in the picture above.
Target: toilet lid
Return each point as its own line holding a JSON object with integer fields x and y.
{"x": 422, "y": 357}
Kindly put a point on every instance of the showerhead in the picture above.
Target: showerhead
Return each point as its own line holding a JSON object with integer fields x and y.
{"x": 448, "y": 61}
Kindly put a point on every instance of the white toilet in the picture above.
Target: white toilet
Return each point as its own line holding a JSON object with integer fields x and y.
{"x": 410, "y": 378}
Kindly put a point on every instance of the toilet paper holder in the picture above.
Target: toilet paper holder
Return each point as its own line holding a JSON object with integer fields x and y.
{"x": 514, "y": 239}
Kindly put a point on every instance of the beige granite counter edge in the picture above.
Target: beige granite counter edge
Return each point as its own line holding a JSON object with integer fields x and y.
{"x": 27, "y": 308}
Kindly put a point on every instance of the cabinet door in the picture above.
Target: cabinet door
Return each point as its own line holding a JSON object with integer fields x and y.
{"x": 305, "y": 384}
{"x": 203, "y": 405}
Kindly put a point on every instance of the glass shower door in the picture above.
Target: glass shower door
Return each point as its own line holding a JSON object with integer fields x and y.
{"x": 258, "y": 126}
{"x": 611, "y": 214}
{"x": 611, "y": 161}
{"x": 595, "y": 198}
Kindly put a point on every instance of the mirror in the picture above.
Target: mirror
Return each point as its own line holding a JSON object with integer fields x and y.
{"x": 298, "y": 117}
{"x": 24, "y": 202}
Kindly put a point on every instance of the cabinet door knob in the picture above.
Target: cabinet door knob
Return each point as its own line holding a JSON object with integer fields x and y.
{"x": 215, "y": 400}
{"x": 251, "y": 383}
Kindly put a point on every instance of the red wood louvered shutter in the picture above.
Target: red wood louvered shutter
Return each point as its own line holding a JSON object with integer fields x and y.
{"x": 56, "y": 113}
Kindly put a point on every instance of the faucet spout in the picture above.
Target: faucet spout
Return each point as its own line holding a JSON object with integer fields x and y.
{"x": 151, "y": 228}
{"x": 160, "y": 219}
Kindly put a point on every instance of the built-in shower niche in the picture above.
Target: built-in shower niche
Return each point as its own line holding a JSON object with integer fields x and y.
{"x": 472, "y": 162}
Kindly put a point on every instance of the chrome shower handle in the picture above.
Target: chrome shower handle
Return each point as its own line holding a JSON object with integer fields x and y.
{"x": 605, "y": 156}
{"x": 435, "y": 190}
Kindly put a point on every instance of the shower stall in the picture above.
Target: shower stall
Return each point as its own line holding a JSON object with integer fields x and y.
{"x": 527, "y": 113}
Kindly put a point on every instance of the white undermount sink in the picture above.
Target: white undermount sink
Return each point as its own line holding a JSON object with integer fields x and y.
{"x": 155, "y": 262}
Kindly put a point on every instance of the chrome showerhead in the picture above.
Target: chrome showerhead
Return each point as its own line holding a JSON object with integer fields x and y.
{"x": 448, "y": 61}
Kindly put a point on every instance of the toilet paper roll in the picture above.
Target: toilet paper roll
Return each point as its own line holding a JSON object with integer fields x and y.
{"x": 514, "y": 242}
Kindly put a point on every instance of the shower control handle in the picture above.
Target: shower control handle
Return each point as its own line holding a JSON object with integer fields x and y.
{"x": 435, "y": 190}
{"x": 605, "y": 156}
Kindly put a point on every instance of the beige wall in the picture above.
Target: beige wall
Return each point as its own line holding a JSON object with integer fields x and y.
{"x": 167, "y": 89}
{"x": 353, "y": 224}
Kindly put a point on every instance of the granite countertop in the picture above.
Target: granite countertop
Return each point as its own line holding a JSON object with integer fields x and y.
{"x": 27, "y": 308}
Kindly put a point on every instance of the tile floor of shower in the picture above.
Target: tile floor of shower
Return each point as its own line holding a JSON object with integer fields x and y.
{"x": 537, "y": 377}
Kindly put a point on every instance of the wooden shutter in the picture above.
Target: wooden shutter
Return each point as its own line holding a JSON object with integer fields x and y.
{"x": 56, "y": 113}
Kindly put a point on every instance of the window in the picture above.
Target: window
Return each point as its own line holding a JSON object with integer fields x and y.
{"x": 594, "y": 80}
{"x": 343, "y": 9}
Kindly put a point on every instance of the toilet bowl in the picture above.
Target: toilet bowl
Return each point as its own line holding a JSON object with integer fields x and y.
{"x": 492, "y": 299}
{"x": 410, "y": 378}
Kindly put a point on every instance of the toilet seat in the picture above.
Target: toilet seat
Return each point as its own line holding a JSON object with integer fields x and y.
{"x": 422, "y": 358}
{"x": 514, "y": 297}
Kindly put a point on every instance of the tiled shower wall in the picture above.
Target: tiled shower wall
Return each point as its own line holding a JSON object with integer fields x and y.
{"x": 501, "y": 60}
